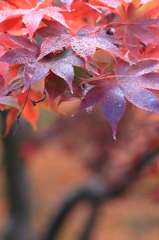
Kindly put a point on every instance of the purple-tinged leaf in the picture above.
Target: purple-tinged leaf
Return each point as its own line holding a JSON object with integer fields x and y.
{"x": 53, "y": 44}
{"x": 84, "y": 47}
{"x": 61, "y": 65}
{"x": 57, "y": 27}
{"x": 150, "y": 81}
{"x": 141, "y": 98}
{"x": 113, "y": 107}
{"x": 18, "y": 42}
{"x": 53, "y": 29}
{"x": 137, "y": 69}
{"x": 94, "y": 96}
{"x": 143, "y": 67}
{"x": 87, "y": 39}
{"x": 129, "y": 81}
{"x": 19, "y": 56}
{"x": 33, "y": 73}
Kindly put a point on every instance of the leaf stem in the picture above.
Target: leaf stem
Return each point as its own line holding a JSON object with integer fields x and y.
{"x": 40, "y": 100}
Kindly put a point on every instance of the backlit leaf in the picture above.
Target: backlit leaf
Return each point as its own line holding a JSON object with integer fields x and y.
{"x": 128, "y": 81}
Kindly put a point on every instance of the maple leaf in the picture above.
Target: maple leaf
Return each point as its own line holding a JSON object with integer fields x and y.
{"x": 88, "y": 39}
{"x": 129, "y": 82}
{"x": 139, "y": 23}
{"x": 32, "y": 18}
{"x": 84, "y": 43}
{"x": 61, "y": 64}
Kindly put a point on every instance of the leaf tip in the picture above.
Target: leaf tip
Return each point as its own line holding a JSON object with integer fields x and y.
{"x": 114, "y": 132}
{"x": 114, "y": 136}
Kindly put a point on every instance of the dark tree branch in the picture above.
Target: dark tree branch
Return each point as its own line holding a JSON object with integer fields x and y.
{"x": 19, "y": 222}
{"x": 96, "y": 192}
{"x": 90, "y": 223}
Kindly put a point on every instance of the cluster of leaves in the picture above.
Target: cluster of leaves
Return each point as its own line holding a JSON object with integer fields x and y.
{"x": 95, "y": 50}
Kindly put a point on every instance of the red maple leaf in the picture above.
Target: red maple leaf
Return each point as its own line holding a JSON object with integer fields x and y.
{"x": 139, "y": 23}
{"x": 77, "y": 18}
{"x": 24, "y": 4}
{"x": 32, "y": 17}
{"x": 129, "y": 82}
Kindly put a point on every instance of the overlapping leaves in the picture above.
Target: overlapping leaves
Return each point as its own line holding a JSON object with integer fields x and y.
{"x": 50, "y": 50}
{"x": 130, "y": 82}
{"x": 84, "y": 43}
{"x": 32, "y": 17}
{"x": 139, "y": 23}
{"x": 34, "y": 70}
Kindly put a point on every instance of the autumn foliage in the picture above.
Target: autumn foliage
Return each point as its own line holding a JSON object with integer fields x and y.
{"x": 95, "y": 50}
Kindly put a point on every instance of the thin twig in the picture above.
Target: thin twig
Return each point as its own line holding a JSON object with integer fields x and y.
{"x": 18, "y": 117}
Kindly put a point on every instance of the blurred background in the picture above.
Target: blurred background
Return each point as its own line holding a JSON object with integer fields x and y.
{"x": 38, "y": 173}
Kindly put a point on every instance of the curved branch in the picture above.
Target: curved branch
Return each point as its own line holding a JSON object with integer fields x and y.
{"x": 96, "y": 192}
